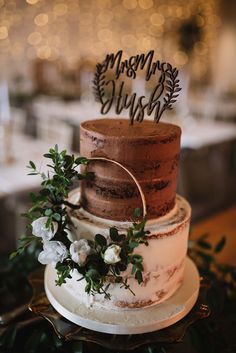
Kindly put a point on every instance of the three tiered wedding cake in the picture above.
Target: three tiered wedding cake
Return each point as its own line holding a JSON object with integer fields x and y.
{"x": 150, "y": 152}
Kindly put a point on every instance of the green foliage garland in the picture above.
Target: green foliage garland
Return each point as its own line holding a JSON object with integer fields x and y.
{"x": 52, "y": 203}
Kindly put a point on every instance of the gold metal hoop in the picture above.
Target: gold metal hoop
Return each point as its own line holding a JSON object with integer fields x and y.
{"x": 132, "y": 176}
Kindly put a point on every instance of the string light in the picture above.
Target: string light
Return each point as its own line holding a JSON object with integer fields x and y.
{"x": 41, "y": 19}
{"x": 34, "y": 38}
{"x": 105, "y": 35}
{"x": 130, "y": 4}
{"x": 60, "y": 9}
{"x": 128, "y": 40}
{"x": 157, "y": 19}
{"x": 3, "y": 32}
{"x": 44, "y": 52}
{"x": 145, "y": 4}
{"x": 105, "y": 17}
{"x": 180, "y": 58}
{"x": 16, "y": 50}
{"x": 31, "y": 53}
{"x": 200, "y": 48}
{"x": 32, "y": 2}
{"x": 71, "y": 29}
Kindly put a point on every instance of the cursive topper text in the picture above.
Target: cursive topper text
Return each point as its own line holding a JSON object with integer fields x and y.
{"x": 163, "y": 94}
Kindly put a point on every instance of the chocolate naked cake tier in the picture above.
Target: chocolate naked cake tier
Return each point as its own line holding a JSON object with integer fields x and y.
{"x": 149, "y": 151}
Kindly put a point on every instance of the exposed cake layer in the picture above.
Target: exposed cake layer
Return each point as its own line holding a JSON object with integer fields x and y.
{"x": 150, "y": 151}
{"x": 163, "y": 258}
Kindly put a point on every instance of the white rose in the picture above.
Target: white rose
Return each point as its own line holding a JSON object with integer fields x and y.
{"x": 111, "y": 255}
{"x": 53, "y": 252}
{"x": 79, "y": 251}
{"x": 39, "y": 228}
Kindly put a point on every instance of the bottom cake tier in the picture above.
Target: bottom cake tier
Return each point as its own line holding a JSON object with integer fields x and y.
{"x": 163, "y": 259}
{"x": 126, "y": 322}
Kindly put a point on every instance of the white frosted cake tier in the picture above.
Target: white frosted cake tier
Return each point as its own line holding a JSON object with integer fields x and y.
{"x": 125, "y": 321}
{"x": 163, "y": 259}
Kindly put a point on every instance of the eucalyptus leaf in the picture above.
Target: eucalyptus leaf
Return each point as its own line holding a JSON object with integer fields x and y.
{"x": 78, "y": 347}
{"x": 204, "y": 244}
{"x": 33, "y": 342}
{"x": 137, "y": 258}
{"x": 134, "y": 269}
{"x": 45, "y": 192}
{"x": 139, "y": 266}
{"x": 81, "y": 160}
{"x": 114, "y": 234}
{"x": 133, "y": 244}
{"x": 13, "y": 254}
{"x": 31, "y": 163}
{"x": 233, "y": 274}
{"x": 139, "y": 277}
{"x": 137, "y": 213}
{"x": 56, "y": 216}
{"x": 206, "y": 257}
{"x": 52, "y": 202}
{"x": 33, "y": 197}
{"x": 101, "y": 240}
{"x": 220, "y": 245}
{"x": 47, "y": 155}
{"x": 93, "y": 274}
{"x": 7, "y": 340}
{"x": 48, "y": 212}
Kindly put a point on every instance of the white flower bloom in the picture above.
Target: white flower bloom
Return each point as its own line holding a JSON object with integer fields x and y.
{"x": 111, "y": 255}
{"x": 39, "y": 228}
{"x": 79, "y": 251}
{"x": 53, "y": 252}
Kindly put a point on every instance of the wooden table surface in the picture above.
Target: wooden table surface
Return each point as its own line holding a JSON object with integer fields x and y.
{"x": 221, "y": 223}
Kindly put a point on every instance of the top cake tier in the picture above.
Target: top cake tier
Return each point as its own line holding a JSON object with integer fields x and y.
{"x": 148, "y": 150}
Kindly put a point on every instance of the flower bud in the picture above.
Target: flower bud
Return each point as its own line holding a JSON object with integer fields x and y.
{"x": 111, "y": 255}
{"x": 79, "y": 251}
{"x": 53, "y": 252}
{"x": 39, "y": 228}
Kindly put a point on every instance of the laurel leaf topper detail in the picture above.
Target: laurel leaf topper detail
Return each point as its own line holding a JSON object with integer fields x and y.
{"x": 162, "y": 98}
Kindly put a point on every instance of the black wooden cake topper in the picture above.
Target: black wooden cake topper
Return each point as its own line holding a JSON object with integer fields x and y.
{"x": 162, "y": 97}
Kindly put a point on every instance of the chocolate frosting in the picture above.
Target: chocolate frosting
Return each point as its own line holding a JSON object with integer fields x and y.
{"x": 148, "y": 150}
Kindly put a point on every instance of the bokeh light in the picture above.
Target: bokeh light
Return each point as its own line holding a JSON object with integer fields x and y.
{"x": 3, "y": 32}
{"x": 70, "y": 29}
{"x": 41, "y": 19}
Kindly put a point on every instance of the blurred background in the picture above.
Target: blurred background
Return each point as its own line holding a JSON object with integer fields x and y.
{"x": 48, "y": 53}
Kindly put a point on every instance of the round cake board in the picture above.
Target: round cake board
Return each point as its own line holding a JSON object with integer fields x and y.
{"x": 131, "y": 321}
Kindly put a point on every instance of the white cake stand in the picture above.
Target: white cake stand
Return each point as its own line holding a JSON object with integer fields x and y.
{"x": 135, "y": 321}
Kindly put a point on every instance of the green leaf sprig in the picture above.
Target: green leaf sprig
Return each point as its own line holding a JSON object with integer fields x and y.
{"x": 204, "y": 254}
{"x": 98, "y": 274}
{"x": 52, "y": 202}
